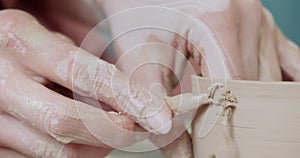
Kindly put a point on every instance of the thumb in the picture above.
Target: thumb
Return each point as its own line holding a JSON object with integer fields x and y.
{"x": 145, "y": 65}
{"x": 186, "y": 102}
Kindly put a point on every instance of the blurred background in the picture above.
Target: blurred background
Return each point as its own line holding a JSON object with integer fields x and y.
{"x": 286, "y": 14}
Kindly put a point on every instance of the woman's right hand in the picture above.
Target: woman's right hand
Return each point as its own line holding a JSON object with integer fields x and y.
{"x": 230, "y": 39}
{"x": 38, "y": 122}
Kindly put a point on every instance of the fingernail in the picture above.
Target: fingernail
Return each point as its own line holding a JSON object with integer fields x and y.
{"x": 160, "y": 122}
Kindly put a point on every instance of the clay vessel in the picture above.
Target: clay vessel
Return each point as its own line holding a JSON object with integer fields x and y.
{"x": 264, "y": 124}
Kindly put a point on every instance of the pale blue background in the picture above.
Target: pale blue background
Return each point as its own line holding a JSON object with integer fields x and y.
{"x": 287, "y": 16}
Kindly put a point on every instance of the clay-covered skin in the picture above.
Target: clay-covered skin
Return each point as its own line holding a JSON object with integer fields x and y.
{"x": 252, "y": 48}
{"x": 42, "y": 123}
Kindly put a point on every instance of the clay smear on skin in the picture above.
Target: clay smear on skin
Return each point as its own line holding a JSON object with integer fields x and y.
{"x": 14, "y": 41}
{"x": 84, "y": 77}
{"x": 95, "y": 78}
{"x": 3, "y": 40}
{"x": 63, "y": 69}
{"x": 47, "y": 149}
{"x": 5, "y": 69}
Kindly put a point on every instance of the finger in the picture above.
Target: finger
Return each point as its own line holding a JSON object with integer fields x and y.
{"x": 64, "y": 119}
{"x": 269, "y": 69}
{"x": 153, "y": 64}
{"x": 186, "y": 102}
{"x": 7, "y": 153}
{"x": 289, "y": 57}
{"x": 19, "y": 137}
{"x": 160, "y": 81}
{"x": 32, "y": 143}
{"x": 214, "y": 35}
{"x": 249, "y": 35}
{"x": 165, "y": 71}
{"x": 85, "y": 74}
{"x": 83, "y": 151}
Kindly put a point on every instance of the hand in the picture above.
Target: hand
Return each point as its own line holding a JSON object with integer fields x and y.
{"x": 37, "y": 121}
{"x": 251, "y": 46}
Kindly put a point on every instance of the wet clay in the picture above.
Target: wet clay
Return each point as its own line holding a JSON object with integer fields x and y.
{"x": 264, "y": 123}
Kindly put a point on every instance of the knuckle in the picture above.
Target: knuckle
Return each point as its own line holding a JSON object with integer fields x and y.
{"x": 101, "y": 77}
{"x": 76, "y": 71}
{"x": 64, "y": 151}
{"x": 6, "y": 69}
{"x": 81, "y": 83}
{"x": 65, "y": 68}
{"x": 46, "y": 149}
{"x": 58, "y": 126}
{"x": 55, "y": 127}
{"x": 52, "y": 150}
{"x": 89, "y": 76}
{"x": 9, "y": 18}
{"x": 82, "y": 75}
{"x": 12, "y": 28}
{"x": 3, "y": 40}
{"x": 52, "y": 120}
